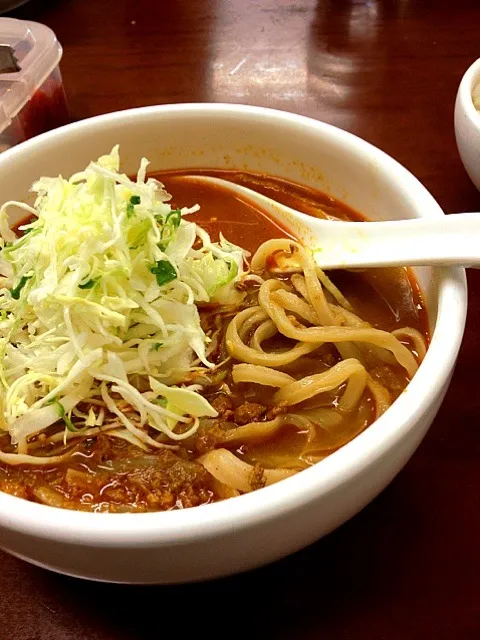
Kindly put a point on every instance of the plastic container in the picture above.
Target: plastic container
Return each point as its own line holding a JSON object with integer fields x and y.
{"x": 32, "y": 99}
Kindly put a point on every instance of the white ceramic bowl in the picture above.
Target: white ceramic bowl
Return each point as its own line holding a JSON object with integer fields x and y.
{"x": 467, "y": 123}
{"x": 256, "y": 528}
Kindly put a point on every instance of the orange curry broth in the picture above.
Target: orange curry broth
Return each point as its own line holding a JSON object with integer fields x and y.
{"x": 111, "y": 475}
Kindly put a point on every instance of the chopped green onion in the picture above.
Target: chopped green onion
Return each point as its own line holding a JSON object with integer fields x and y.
{"x": 174, "y": 218}
{"x": 16, "y": 290}
{"x": 61, "y": 412}
{"x": 131, "y": 205}
{"x": 169, "y": 226}
{"x": 164, "y": 272}
{"x": 156, "y": 345}
{"x": 87, "y": 285}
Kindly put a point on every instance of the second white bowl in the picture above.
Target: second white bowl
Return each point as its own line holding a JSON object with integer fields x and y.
{"x": 467, "y": 123}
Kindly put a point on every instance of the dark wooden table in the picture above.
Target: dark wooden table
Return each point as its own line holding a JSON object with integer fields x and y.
{"x": 408, "y": 566}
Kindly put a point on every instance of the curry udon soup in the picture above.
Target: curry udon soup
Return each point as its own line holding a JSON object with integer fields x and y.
{"x": 273, "y": 372}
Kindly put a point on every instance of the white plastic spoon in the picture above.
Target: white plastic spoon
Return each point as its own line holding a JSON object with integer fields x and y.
{"x": 444, "y": 241}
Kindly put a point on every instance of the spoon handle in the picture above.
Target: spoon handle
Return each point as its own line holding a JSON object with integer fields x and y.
{"x": 452, "y": 240}
{"x": 447, "y": 241}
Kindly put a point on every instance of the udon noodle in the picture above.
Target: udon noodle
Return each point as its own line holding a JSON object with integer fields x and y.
{"x": 308, "y": 310}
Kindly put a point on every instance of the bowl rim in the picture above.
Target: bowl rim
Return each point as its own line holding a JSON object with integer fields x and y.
{"x": 292, "y": 494}
{"x": 471, "y": 76}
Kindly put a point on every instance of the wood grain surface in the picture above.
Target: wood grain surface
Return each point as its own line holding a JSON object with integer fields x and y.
{"x": 406, "y": 567}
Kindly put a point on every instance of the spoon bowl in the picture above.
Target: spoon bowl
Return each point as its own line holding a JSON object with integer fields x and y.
{"x": 449, "y": 241}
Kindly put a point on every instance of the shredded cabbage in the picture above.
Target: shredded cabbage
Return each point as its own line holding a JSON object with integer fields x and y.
{"x": 98, "y": 301}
